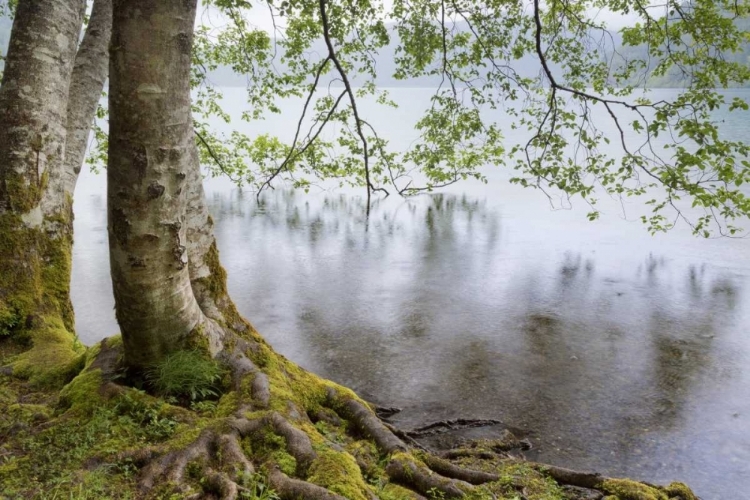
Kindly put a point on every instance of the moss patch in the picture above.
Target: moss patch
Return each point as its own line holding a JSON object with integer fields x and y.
{"x": 54, "y": 358}
{"x": 625, "y": 489}
{"x": 681, "y": 491}
{"x": 339, "y": 473}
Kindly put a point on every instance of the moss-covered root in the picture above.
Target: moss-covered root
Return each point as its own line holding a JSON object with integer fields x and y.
{"x": 616, "y": 489}
{"x": 218, "y": 458}
{"x": 625, "y": 489}
{"x": 287, "y": 487}
{"x": 54, "y": 358}
{"x": 404, "y": 470}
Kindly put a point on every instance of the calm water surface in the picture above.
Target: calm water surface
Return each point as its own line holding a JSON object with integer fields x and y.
{"x": 612, "y": 349}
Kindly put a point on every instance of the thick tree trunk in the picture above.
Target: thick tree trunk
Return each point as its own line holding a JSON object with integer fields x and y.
{"x": 36, "y": 240}
{"x": 151, "y": 154}
{"x": 38, "y": 104}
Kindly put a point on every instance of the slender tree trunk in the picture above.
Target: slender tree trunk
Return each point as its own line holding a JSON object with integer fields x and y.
{"x": 36, "y": 241}
{"x": 152, "y": 153}
{"x": 89, "y": 74}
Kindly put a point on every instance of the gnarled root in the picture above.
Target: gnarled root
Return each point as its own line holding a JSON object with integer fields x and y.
{"x": 287, "y": 487}
{"x": 408, "y": 473}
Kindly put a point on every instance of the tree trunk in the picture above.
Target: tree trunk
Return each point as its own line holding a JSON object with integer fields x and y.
{"x": 89, "y": 74}
{"x": 151, "y": 153}
{"x": 207, "y": 277}
{"x": 36, "y": 241}
{"x": 43, "y": 96}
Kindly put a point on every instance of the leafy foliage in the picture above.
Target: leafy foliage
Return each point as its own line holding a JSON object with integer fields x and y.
{"x": 186, "y": 374}
{"x": 591, "y": 128}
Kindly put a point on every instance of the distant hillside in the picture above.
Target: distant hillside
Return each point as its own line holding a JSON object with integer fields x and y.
{"x": 675, "y": 78}
{"x": 385, "y": 62}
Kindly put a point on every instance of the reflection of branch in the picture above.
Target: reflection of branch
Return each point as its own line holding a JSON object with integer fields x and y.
{"x": 350, "y": 93}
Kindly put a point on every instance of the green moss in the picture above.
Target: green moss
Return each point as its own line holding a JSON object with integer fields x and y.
{"x": 680, "y": 490}
{"x": 57, "y": 262}
{"x": 216, "y": 284}
{"x": 285, "y": 461}
{"x": 366, "y": 455}
{"x": 290, "y": 383}
{"x": 392, "y": 491}
{"x": 20, "y": 275}
{"x": 82, "y": 393}
{"x": 24, "y": 194}
{"x": 115, "y": 341}
{"x": 35, "y": 305}
{"x": 339, "y": 473}
{"x": 626, "y": 489}
{"x": 54, "y": 357}
{"x": 228, "y": 404}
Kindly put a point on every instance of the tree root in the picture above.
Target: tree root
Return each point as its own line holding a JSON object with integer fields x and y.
{"x": 423, "y": 480}
{"x": 449, "y": 469}
{"x": 366, "y": 420}
{"x": 450, "y": 425}
{"x": 287, "y": 487}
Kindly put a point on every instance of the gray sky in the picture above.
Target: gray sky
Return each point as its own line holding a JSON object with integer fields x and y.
{"x": 260, "y": 17}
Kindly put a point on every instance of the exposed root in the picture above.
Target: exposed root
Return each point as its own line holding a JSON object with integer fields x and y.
{"x": 221, "y": 484}
{"x": 297, "y": 442}
{"x": 469, "y": 453}
{"x": 291, "y": 489}
{"x": 450, "y": 425}
{"x": 261, "y": 390}
{"x": 591, "y": 480}
{"x": 368, "y": 423}
{"x": 385, "y": 412}
{"x": 404, "y": 436}
{"x": 218, "y": 463}
{"x": 232, "y": 454}
{"x": 448, "y": 469}
{"x": 423, "y": 480}
{"x": 171, "y": 467}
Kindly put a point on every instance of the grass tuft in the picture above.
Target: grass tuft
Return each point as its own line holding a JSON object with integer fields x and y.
{"x": 186, "y": 374}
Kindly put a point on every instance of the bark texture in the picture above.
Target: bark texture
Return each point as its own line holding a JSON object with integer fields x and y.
{"x": 36, "y": 240}
{"x": 34, "y": 101}
{"x": 87, "y": 81}
{"x": 151, "y": 150}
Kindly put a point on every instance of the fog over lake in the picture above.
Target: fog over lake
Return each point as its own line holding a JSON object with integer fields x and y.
{"x": 610, "y": 348}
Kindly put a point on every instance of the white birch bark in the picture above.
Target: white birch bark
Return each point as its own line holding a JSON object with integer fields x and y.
{"x": 151, "y": 154}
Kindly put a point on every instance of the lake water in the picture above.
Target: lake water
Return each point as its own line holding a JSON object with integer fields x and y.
{"x": 613, "y": 349}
